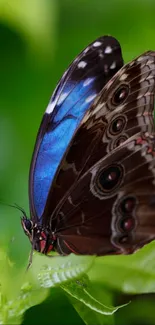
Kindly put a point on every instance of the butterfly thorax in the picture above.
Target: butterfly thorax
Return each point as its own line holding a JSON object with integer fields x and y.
{"x": 41, "y": 238}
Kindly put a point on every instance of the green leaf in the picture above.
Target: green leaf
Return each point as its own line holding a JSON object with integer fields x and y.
{"x": 18, "y": 291}
{"x": 132, "y": 274}
{"x": 89, "y": 316}
{"x": 12, "y": 310}
{"x": 81, "y": 291}
{"x": 57, "y": 270}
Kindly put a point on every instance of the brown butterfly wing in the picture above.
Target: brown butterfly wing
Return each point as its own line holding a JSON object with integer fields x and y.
{"x": 123, "y": 108}
{"x": 111, "y": 208}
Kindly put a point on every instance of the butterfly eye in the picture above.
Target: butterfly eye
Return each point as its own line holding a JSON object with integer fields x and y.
{"x": 28, "y": 225}
{"x": 117, "y": 125}
{"x": 120, "y": 95}
{"x": 110, "y": 178}
{"x": 127, "y": 224}
{"x": 128, "y": 204}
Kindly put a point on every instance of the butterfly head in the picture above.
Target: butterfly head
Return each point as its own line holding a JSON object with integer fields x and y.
{"x": 38, "y": 236}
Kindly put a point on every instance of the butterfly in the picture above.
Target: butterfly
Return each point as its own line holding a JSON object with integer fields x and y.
{"x": 91, "y": 183}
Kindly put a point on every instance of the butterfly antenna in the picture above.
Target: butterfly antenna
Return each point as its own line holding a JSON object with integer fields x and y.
{"x": 15, "y": 206}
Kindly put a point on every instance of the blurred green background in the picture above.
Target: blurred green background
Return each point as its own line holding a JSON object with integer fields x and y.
{"x": 38, "y": 40}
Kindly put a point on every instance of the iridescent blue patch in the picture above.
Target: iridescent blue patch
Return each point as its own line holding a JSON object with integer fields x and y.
{"x": 57, "y": 139}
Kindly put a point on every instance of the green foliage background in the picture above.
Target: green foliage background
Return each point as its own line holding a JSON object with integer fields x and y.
{"x": 38, "y": 39}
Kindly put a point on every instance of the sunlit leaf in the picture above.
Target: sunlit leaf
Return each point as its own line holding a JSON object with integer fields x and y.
{"x": 132, "y": 274}
{"x": 16, "y": 293}
{"x": 54, "y": 271}
{"x": 34, "y": 20}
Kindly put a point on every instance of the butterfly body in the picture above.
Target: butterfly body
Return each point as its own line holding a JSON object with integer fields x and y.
{"x": 94, "y": 157}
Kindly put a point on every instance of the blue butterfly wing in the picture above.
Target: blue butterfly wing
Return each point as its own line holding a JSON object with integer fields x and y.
{"x": 77, "y": 89}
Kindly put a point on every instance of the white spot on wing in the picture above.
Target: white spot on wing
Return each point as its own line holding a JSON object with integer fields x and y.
{"x": 62, "y": 98}
{"x": 86, "y": 50}
{"x": 97, "y": 43}
{"x": 90, "y": 98}
{"x": 108, "y": 50}
{"x": 51, "y": 106}
{"x": 82, "y": 64}
{"x": 88, "y": 81}
{"x": 124, "y": 76}
{"x": 113, "y": 65}
{"x": 141, "y": 58}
